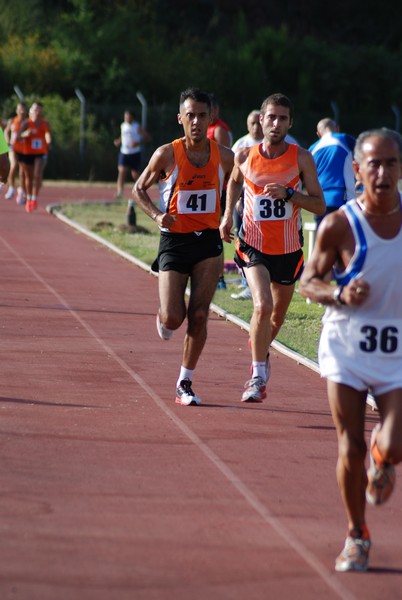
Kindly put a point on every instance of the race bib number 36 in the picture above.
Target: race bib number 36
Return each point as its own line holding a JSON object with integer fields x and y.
{"x": 196, "y": 202}
{"x": 380, "y": 338}
{"x": 267, "y": 209}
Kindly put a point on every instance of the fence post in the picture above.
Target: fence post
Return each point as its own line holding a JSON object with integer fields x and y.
{"x": 397, "y": 114}
{"x": 144, "y": 110}
{"x": 19, "y": 93}
{"x": 81, "y": 98}
{"x": 310, "y": 228}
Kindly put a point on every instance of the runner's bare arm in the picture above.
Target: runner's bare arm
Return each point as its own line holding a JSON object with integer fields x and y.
{"x": 333, "y": 246}
{"x": 233, "y": 193}
{"x": 161, "y": 163}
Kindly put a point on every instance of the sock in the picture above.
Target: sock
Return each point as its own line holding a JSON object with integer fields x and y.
{"x": 259, "y": 370}
{"x": 359, "y": 532}
{"x": 379, "y": 461}
{"x": 185, "y": 374}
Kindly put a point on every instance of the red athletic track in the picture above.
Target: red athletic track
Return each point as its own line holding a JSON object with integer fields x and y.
{"x": 110, "y": 490}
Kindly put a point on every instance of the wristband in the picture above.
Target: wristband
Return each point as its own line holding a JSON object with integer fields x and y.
{"x": 337, "y": 296}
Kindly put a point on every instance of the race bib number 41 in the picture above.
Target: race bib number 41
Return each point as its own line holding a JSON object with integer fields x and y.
{"x": 196, "y": 202}
{"x": 268, "y": 209}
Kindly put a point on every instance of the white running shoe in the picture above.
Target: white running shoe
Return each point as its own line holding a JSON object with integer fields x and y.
{"x": 254, "y": 390}
{"x": 243, "y": 295}
{"x": 10, "y": 193}
{"x": 20, "y": 199}
{"x": 164, "y": 333}
{"x": 354, "y": 556}
{"x": 185, "y": 395}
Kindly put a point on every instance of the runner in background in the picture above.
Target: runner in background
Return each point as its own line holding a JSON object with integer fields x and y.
{"x": 280, "y": 180}
{"x": 131, "y": 140}
{"x": 4, "y": 160}
{"x": 36, "y": 135}
{"x": 16, "y": 149}
{"x": 190, "y": 171}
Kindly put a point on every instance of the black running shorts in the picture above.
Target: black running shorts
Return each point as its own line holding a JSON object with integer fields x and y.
{"x": 283, "y": 268}
{"x": 181, "y": 251}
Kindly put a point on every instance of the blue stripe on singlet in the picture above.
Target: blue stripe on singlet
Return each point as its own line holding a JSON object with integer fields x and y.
{"x": 355, "y": 266}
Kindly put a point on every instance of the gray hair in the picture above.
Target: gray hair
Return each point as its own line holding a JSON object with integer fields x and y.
{"x": 382, "y": 133}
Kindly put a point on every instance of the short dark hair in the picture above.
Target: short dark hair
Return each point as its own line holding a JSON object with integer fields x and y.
{"x": 382, "y": 133}
{"x": 197, "y": 95}
{"x": 278, "y": 99}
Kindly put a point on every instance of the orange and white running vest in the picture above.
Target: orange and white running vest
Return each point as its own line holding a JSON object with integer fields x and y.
{"x": 17, "y": 145}
{"x": 36, "y": 143}
{"x": 271, "y": 226}
{"x": 191, "y": 193}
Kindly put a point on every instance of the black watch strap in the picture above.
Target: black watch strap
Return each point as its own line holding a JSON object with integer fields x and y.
{"x": 289, "y": 193}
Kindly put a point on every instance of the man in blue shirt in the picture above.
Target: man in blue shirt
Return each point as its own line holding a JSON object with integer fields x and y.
{"x": 333, "y": 155}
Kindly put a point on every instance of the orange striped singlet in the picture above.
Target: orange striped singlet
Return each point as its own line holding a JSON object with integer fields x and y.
{"x": 191, "y": 193}
{"x": 36, "y": 143}
{"x": 271, "y": 226}
{"x": 18, "y": 145}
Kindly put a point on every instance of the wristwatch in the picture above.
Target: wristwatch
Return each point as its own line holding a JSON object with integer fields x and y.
{"x": 289, "y": 193}
{"x": 337, "y": 296}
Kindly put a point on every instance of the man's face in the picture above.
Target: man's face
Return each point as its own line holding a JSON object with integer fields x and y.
{"x": 380, "y": 168}
{"x": 254, "y": 126}
{"x": 195, "y": 118}
{"x": 35, "y": 112}
{"x": 275, "y": 123}
{"x": 21, "y": 111}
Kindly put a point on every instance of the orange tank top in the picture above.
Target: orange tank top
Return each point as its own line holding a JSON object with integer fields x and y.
{"x": 271, "y": 226}
{"x": 18, "y": 145}
{"x": 36, "y": 143}
{"x": 192, "y": 193}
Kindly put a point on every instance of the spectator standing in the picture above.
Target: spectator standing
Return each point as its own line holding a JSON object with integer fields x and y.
{"x": 333, "y": 155}
{"x": 269, "y": 248}
{"x": 361, "y": 341}
{"x": 190, "y": 172}
{"x": 131, "y": 140}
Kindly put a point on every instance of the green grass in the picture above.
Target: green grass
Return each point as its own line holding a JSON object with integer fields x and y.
{"x": 302, "y": 327}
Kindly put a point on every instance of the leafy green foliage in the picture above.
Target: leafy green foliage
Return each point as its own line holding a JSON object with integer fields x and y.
{"x": 242, "y": 50}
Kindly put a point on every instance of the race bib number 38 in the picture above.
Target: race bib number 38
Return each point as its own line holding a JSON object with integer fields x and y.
{"x": 267, "y": 209}
{"x": 196, "y": 202}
